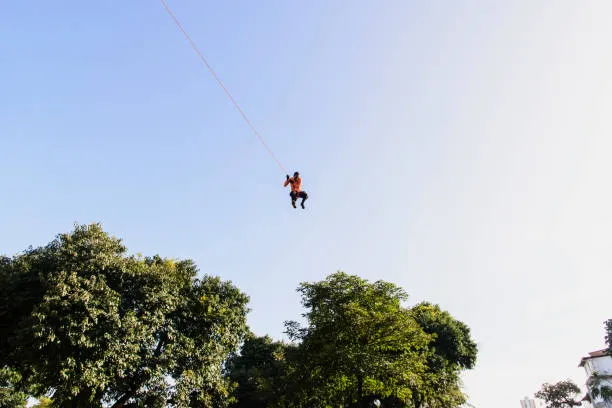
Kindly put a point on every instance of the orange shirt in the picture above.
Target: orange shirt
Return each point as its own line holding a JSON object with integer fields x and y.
{"x": 295, "y": 184}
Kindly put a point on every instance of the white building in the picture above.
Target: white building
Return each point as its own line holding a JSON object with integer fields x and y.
{"x": 528, "y": 403}
{"x": 598, "y": 367}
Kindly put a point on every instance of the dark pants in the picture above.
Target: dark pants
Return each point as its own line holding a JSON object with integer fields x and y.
{"x": 301, "y": 194}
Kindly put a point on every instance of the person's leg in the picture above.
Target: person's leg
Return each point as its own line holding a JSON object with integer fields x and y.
{"x": 304, "y": 197}
{"x": 293, "y": 196}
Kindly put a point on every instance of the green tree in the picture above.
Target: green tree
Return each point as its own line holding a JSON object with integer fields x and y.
{"x": 450, "y": 351}
{"x": 361, "y": 344}
{"x": 261, "y": 372}
{"x": 44, "y": 402}
{"x": 560, "y": 395}
{"x": 98, "y": 326}
{"x": 9, "y": 396}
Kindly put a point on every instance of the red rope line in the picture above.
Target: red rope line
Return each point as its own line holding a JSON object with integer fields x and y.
{"x": 212, "y": 71}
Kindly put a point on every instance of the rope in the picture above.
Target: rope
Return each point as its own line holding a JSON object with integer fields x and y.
{"x": 212, "y": 71}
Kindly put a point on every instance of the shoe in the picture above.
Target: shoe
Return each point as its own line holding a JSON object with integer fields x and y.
{"x": 303, "y": 206}
{"x": 293, "y": 204}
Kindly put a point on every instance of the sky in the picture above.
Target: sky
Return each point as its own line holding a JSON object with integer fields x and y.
{"x": 460, "y": 149}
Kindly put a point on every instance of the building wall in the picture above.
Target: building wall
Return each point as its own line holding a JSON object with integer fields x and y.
{"x": 603, "y": 367}
{"x": 528, "y": 403}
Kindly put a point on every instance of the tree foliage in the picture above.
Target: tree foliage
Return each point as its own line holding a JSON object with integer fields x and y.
{"x": 44, "y": 402}
{"x": 94, "y": 325}
{"x": 560, "y": 395}
{"x": 261, "y": 371}
{"x": 10, "y": 397}
{"x": 450, "y": 351}
{"x": 88, "y": 325}
{"x": 361, "y": 344}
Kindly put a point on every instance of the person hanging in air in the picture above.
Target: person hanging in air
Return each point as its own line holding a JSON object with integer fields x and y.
{"x": 296, "y": 190}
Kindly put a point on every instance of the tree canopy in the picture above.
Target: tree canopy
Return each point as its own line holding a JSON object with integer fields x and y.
{"x": 85, "y": 324}
{"x": 93, "y": 325}
{"x": 10, "y": 397}
{"x": 361, "y": 344}
{"x": 560, "y": 395}
{"x": 262, "y": 373}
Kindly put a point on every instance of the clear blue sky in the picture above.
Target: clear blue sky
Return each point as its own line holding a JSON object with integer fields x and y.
{"x": 460, "y": 149}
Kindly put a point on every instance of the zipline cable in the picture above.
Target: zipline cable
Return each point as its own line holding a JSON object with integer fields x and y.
{"x": 212, "y": 71}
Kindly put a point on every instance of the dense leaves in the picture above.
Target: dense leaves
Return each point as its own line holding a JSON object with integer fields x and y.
{"x": 94, "y": 325}
{"x": 560, "y": 395}
{"x": 361, "y": 344}
{"x": 262, "y": 373}
{"x": 44, "y": 402}
{"x": 450, "y": 351}
{"x": 88, "y": 325}
{"x": 9, "y": 396}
